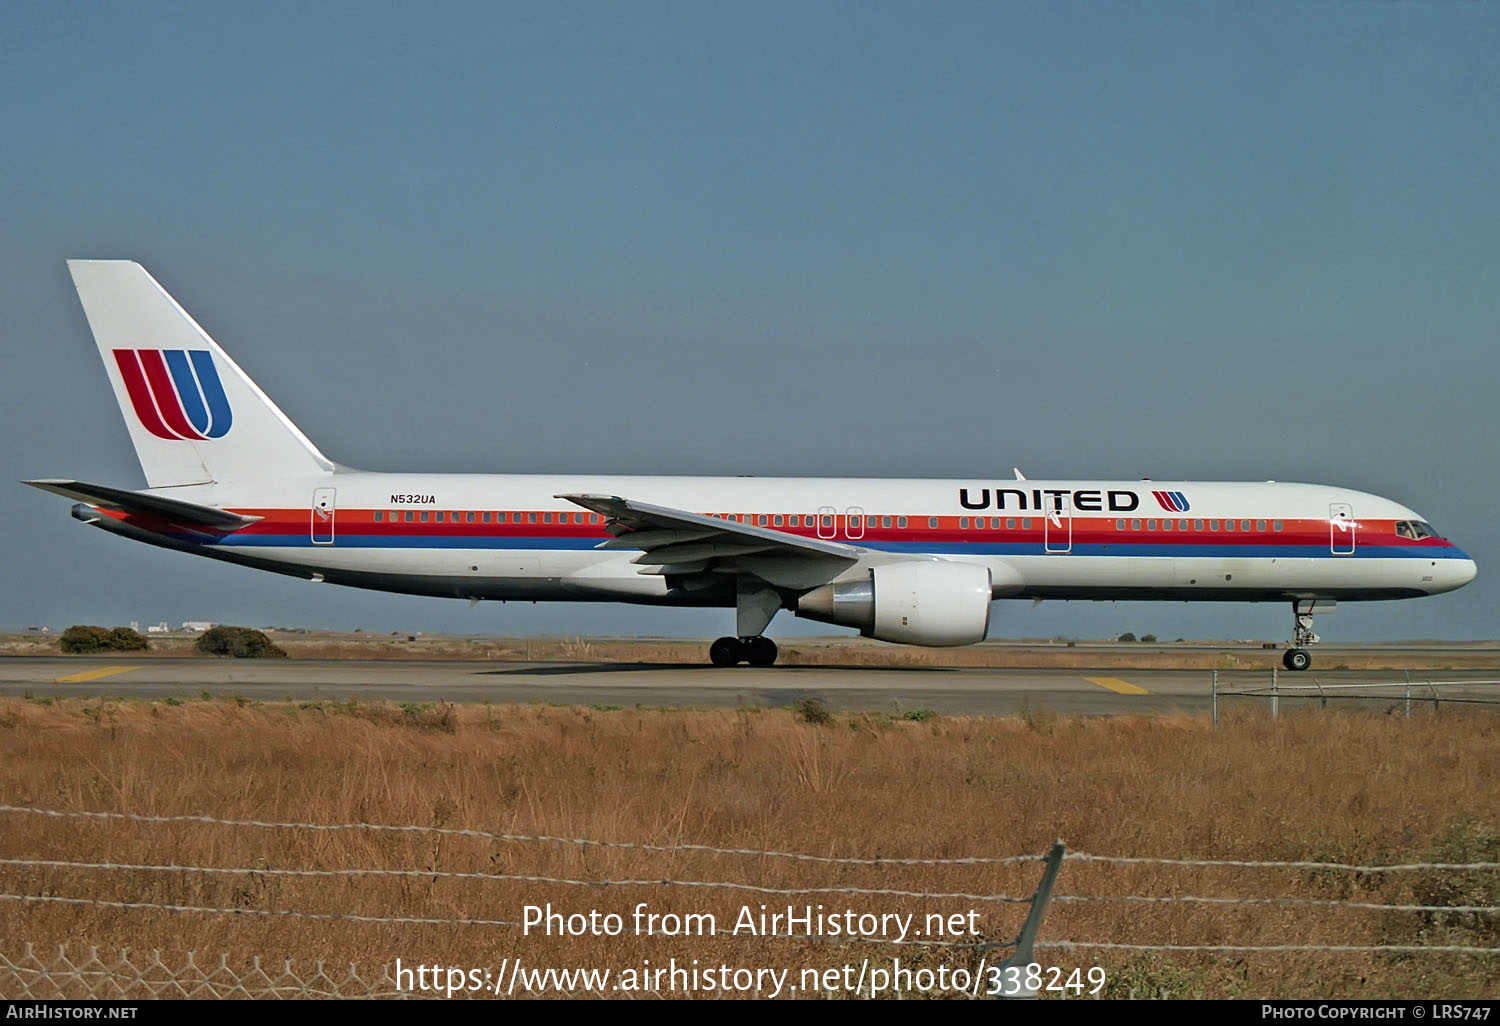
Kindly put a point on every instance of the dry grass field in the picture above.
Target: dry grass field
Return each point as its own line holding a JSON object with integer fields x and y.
{"x": 831, "y": 651}
{"x": 1369, "y": 789}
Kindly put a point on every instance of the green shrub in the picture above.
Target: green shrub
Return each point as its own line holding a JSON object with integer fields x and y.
{"x": 78, "y": 640}
{"x": 810, "y": 710}
{"x": 240, "y": 642}
{"x": 123, "y": 639}
{"x": 82, "y": 639}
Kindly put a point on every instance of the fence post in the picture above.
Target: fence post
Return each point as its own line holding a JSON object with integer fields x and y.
{"x": 1408, "y": 693}
{"x": 1027, "y": 941}
{"x": 1216, "y": 698}
{"x": 1273, "y": 692}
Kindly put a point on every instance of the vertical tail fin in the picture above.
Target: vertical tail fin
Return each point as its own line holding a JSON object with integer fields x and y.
{"x": 193, "y": 415}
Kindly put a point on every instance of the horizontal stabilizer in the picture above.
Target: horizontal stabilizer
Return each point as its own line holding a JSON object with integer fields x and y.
{"x": 123, "y": 500}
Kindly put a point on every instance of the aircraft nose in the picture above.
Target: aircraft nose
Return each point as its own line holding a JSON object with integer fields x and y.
{"x": 1467, "y": 571}
{"x": 1455, "y": 573}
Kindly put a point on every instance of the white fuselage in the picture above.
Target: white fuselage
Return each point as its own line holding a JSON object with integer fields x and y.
{"x": 508, "y": 536}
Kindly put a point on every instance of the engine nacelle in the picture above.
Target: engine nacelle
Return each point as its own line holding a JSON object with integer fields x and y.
{"x": 917, "y": 603}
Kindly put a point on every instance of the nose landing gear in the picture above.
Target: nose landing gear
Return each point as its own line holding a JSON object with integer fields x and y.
{"x": 1297, "y": 657}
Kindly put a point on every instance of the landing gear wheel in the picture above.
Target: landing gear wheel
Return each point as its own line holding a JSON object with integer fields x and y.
{"x": 1296, "y": 659}
{"x": 760, "y": 651}
{"x": 726, "y": 652}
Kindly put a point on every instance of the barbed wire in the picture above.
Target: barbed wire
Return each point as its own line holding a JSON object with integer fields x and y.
{"x": 1176, "y": 899}
{"x": 1072, "y": 856}
{"x": 1078, "y": 856}
{"x": 1185, "y": 899}
{"x": 514, "y": 877}
{"x": 542, "y": 838}
{"x": 840, "y": 938}
{"x": 1441, "y": 949}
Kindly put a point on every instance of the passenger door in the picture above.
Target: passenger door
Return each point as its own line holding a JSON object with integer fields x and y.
{"x": 322, "y": 516}
{"x": 1342, "y": 528}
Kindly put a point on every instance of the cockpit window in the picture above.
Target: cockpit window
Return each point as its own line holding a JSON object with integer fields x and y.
{"x": 1415, "y": 530}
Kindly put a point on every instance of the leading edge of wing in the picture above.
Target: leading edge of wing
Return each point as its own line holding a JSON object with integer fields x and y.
{"x": 123, "y": 500}
{"x": 643, "y": 516}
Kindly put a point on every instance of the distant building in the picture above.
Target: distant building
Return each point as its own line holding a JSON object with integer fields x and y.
{"x": 160, "y": 628}
{"x": 197, "y": 626}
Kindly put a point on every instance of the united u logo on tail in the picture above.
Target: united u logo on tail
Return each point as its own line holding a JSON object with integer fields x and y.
{"x": 176, "y": 393}
{"x": 1172, "y": 502}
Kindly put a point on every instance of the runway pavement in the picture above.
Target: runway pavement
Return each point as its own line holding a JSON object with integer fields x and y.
{"x": 950, "y": 691}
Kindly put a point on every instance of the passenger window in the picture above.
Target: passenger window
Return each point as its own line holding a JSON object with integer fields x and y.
{"x": 1260, "y": 525}
{"x": 439, "y": 517}
{"x": 379, "y": 515}
{"x": 963, "y": 523}
{"x": 1197, "y": 525}
{"x": 1182, "y": 525}
{"x": 1229, "y": 525}
{"x": 1135, "y": 525}
{"x": 1026, "y": 524}
{"x": 792, "y": 520}
{"x": 1276, "y": 525}
{"x": 827, "y": 521}
{"x": 1119, "y": 525}
{"x": 885, "y": 521}
{"x": 1213, "y": 525}
{"x": 776, "y": 520}
{"x": 900, "y": 521}
{"x": 1010, "y": 523}
{"x": 932, "y": 521}
{"x": 408, "y": 516}
{"x": 531, "y": 518}
{"x": 1151, "y": 525}
{"x": 1166, "y": 525}
{"x": 1244, "y": 525}
{"x": 425, "y": 516}
{"x": 469, "y": 517}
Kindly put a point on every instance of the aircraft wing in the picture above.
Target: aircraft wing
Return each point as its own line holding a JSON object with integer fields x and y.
{"x": 122, "y": 500}
{"x": 678, "y": 543}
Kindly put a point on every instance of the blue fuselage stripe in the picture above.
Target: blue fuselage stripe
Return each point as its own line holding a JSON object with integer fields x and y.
{"x": 940, "y": 548}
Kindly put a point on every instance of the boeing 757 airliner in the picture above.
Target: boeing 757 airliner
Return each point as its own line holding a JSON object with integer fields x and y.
{"x": 915, "y": 562}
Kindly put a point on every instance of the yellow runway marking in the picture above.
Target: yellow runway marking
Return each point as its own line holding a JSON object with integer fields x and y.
{"x": 103, "y": 671}
{"x": 1118, "y": 686}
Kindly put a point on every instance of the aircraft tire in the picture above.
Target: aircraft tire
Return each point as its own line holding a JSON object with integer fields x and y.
{"x": 726, "y": 652}
{"x": 1296, "y": 659}
{"x": 760, "y": 652}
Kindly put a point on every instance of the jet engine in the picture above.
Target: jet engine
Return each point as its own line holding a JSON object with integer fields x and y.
{"x": 917, "y": 603}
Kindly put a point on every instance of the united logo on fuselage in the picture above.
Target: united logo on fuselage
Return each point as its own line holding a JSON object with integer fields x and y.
{"x": 176, "y": 393}
{"x": 1172, "y": 502}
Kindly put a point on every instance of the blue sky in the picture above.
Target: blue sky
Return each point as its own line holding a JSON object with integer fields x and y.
{"x": 1202, "y": 241}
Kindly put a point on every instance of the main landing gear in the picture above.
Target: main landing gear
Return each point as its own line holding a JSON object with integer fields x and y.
{"x": 1297, "y": 657}
{"x": 755, "y": 602}
{"x": 758, "y": 651}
